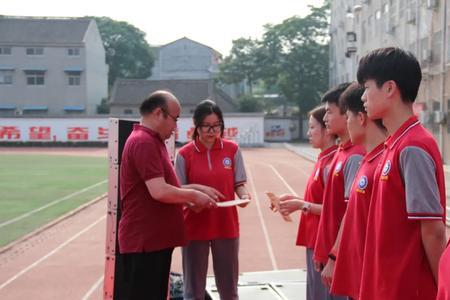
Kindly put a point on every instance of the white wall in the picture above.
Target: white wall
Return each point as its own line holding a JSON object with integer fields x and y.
{"x": 245, "y": 129}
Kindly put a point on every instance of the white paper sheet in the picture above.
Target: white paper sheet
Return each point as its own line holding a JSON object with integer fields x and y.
{"x": 232, "y": 202}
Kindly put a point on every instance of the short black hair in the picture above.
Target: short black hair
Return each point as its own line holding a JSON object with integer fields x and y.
{"x": 395, "y": 64}
{"x": 350, "y": 100}
{"x": 332, "y": 95}
{"x": 155, "y": 100}
{"x": 318, "y": 113}
{"x": 204, "y": 109}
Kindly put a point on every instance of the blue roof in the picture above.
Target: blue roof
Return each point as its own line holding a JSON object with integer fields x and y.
{"x": 73, "y": 69}
{"x": 35, "y": 107}
{"x": 6, "y": 67}
{"x": 35, "y": 69}
{"x": 7, "y": 106}
{"x": 74, "y": 107}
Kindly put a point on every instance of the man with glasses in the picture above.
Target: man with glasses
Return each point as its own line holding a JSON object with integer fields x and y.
{"x": 152, "y": 222}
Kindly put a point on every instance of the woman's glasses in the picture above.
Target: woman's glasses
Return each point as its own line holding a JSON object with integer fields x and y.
{"x": 208, "y": 128}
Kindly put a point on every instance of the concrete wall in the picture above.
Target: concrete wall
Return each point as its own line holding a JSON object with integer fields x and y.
{"x": 185, "y": 59}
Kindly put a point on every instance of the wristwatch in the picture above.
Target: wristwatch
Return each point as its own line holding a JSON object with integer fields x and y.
{"x": 306, "y": 207}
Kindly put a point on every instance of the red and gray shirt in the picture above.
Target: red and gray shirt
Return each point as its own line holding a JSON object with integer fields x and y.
{"x": 222, "y": 168}
{"x": 309, "y": 223}
{"x": 348, "y": 267}
{"x": 147, "y": 224}
{"x": 337, "y": 189}
{"x": 408, "y": 188}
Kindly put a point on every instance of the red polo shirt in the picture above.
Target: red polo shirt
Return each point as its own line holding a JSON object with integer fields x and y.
{"x": 444, "y": 275}
{"x": 348, "y": 267}
{"x": 146, "y": 224}
{"x": 342, "y": 172}
{"x": 309, "y": 223}
{"x": 222, "y": 168}
{"x": 408, "y": 188}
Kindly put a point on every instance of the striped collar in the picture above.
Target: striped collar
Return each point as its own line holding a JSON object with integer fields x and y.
{"x": 218, "y": 144}
{"x": 400, "y": 133}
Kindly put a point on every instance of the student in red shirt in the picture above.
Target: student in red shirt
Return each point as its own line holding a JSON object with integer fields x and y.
{"x": 216, "y": 162}
{"x": 151, "y": 199}
{"x": 342, "y": 172}
{"x": 349, "y": 246}
{"x": 311, "y": 206}
{"x": 444, "y": 275}
{"x": 405, "y": 234}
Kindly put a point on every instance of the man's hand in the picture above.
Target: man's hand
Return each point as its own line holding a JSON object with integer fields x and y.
{"x": 202, "y": 201}
{"x": 327, "y": 273}
{"x": 289, "y": 206}
{"x": 210, "y": 191}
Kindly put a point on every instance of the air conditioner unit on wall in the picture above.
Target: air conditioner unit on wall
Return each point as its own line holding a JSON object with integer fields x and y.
{"x": 439, "y": 117}
{"x": 432, "y": 4}
{"x": 410, "y": 16}
{"x": 388, "y": 26}
{"x": 426, "y": 55}
{"x": 424, "y": 117}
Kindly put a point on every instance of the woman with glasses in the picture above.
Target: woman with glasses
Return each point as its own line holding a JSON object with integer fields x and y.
{"x": 216, "y": 162}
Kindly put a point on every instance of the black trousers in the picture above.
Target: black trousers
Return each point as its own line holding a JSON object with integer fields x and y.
{"x": 146, "y": 275}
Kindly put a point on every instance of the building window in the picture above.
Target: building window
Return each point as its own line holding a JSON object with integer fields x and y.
{"x": 6, "y": 77}
{"x": 5, "y": 50}
{"x": 128, "y": 111}
{"x": 35, "y": 51}
{"x": 73, "y": 77}
{"x": 35, "y": 77}
{"x": 73, "y": 51}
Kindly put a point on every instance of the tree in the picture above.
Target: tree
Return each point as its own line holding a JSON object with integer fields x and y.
{"x": 242, "y": 63}
{"x": 128, "y": 54}
{"x": 296, "y": 56}
{"x": 248, "y": 103}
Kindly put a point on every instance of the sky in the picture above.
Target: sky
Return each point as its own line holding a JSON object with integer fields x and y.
{"x": 211, "y": 22}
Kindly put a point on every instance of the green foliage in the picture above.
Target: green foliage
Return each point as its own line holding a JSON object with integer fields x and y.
{"x": 128, "y": 54}
{"x": 293, "y": 56}
{"x": 103, "y": 107}
{"x": 242, "y": 63}
{"x": 248, "y": 103}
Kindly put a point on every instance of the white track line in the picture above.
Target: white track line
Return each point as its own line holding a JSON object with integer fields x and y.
{"x": 50, "y": 253}
{"x": 261, "y": 219}
{"x": 282, "y": 179}
{"x": 93, "y": 288}
{"x": 50, "y": 204}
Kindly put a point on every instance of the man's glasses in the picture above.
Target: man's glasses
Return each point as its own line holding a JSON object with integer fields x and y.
{"x": 166, "y": 113}
{"x": 209, "y": 128}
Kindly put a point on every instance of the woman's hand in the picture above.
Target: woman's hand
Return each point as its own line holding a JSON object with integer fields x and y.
{"x": 246, "y": 196}
{"x": 289, "y": 206}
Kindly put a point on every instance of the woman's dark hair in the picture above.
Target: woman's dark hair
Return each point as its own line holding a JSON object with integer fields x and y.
{"x": 318, "y": 113}
{"x": 395, "y": 64}
{"x": 204, "y": 109}
{"x": 350, "y": 100}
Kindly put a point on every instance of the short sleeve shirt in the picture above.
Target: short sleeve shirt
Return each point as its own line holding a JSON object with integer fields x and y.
{"x": 147, "y": 225}
{"x": 408, "y": 187}
{"x": 222, "y": 168}
{"x": 348, "y": 267}
{"x": 309, "y": 223}
{"x": 342, "y": 172}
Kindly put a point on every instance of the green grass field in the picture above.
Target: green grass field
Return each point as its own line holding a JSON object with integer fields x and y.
{"x": 28, "y": 182}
